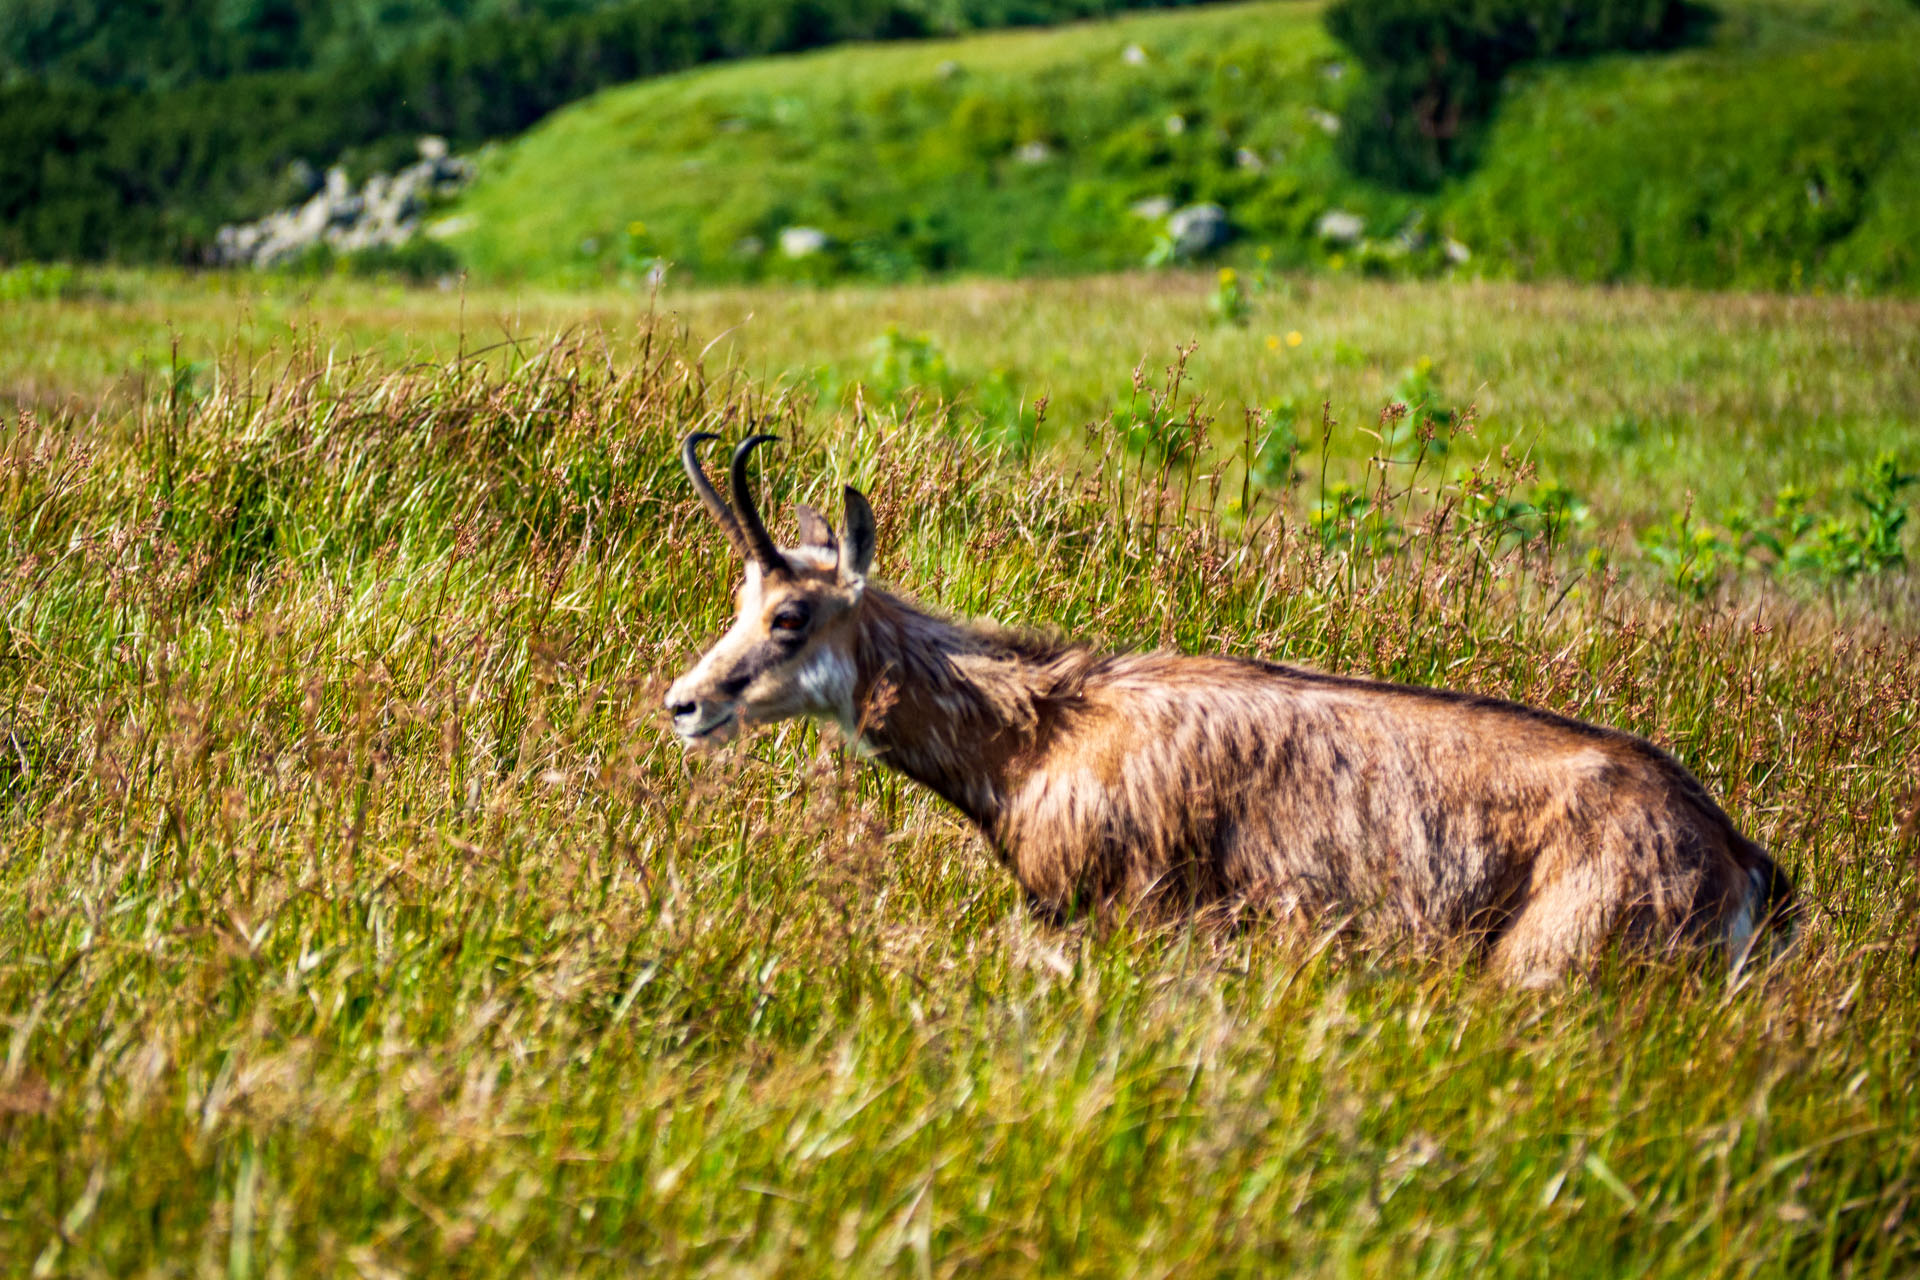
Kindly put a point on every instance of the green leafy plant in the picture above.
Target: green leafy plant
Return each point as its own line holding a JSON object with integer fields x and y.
{"x": 1228, "y": 300}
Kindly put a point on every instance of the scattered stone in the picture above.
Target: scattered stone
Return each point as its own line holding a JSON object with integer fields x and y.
{"x": 1134, "y": 56}
{"x": 1153, "y": 208}
{"x": 1334, "y": 71}
{"x": 385, "y": 212}
{"x": 1249, "y": 159}
{"x": 803, "y": 242}
{"x": 1328, "y": 122}
{"x": 1456, "y": 252}
{"x": 1176, "y": 125}
{"x": 1198, "y": 229}
{"x": 948, "y": 69}
{"x": 1340, "y": 227}
{"x": 1033, "y": 153}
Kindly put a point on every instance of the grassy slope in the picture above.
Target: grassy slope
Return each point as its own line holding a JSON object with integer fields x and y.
{"x": 1690, "y": 168}
{"x": 905, "y": 153}
{"x": 357, "y": 914}
{"x": 1632, "y": 398}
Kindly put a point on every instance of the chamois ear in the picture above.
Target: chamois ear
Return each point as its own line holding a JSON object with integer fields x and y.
{"x": 856, "y": 540}
{"x": 814, "y": 529}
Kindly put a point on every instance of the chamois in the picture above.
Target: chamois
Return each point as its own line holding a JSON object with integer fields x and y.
{"x": 1176, "y": 782}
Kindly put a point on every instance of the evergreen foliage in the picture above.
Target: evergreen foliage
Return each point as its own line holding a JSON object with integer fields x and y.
{"x": 1434, "y": 66}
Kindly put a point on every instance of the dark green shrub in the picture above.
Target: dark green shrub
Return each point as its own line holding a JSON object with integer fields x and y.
{"x": 1434, "y": 66}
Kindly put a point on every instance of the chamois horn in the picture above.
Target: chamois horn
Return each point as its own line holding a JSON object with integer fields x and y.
{"x": 758, "y": 543}
{"x": 715, "y": 504}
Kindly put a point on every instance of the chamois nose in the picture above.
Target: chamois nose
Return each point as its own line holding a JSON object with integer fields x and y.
{"x": 681, "y": 710}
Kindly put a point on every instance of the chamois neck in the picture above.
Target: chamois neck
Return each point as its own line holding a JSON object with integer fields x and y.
{"x": 956, "y": 706}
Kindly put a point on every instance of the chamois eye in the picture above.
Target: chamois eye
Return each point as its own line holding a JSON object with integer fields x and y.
{"x": 792, "y": 618}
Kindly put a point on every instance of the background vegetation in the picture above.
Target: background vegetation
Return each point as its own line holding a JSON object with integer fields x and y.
{"x": 1773, "y": 150}
{"x": 90, "y": 169}
{"x": 1778, "y": 154}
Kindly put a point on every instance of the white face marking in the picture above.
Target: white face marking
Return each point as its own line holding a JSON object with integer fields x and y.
{"x": 825, "y": 681}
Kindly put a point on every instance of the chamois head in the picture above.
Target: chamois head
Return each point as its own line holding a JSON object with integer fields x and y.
{"x": 789, "y": 651}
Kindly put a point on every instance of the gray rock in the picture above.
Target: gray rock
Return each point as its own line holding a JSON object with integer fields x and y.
{"x": 432, "y": 147}
{"x": 1456, "y": 252}
{"x": 1249, "y": 159}
{"x": 1340, "y": 227}
{"x": 385, "y": 212}
{"x": 1134, "y": 56}
{"x": 803, "y": 242}
{"x": 1033, "y": 153}
{"x": 1198, "y": 229}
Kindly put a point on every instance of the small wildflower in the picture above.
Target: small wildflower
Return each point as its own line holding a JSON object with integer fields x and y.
{"x": 636, "y": 228}
{"x": 1337, "y": 261}
{"x": 1294, "y": 339}
{"x": 1228, "y": 275}
{"x": 1273, "y": 342}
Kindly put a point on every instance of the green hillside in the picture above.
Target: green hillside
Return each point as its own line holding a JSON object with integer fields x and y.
{"x": 1781, "y": 153}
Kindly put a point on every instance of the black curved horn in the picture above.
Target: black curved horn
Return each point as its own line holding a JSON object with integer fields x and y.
{"x": 759, "y": 544}
{"x": 715, "y": 504}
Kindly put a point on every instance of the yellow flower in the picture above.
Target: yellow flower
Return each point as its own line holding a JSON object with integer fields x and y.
{"x": 636, "y": 228}
{"x": 1273, "y": 342}
{"x": 1424, "y": 364}
{"x": 1337, "y": 261}
{"x": 1294, "y": 339}
{"x": 1227, "y": 275}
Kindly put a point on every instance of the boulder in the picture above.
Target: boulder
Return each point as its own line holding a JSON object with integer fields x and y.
{"x": 1198, "y": 229}
{"x": 803, "y": 242}
{"x": 1340, "y": 227}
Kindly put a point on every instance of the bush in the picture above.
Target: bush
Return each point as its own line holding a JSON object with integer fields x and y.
{"x": 1433, "y": 67}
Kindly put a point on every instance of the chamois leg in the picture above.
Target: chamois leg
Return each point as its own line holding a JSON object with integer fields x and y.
{"x": 1562, "y": 923}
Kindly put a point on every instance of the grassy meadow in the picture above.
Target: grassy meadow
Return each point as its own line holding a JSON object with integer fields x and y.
{"x": 359, "y": 914}
{"x": 1631, "y": 398}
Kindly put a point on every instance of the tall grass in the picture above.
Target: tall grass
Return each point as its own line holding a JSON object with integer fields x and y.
{"x": 357, "y": 912}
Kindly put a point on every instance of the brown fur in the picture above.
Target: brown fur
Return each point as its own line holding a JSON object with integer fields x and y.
{"x": 1178, "y": 782}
